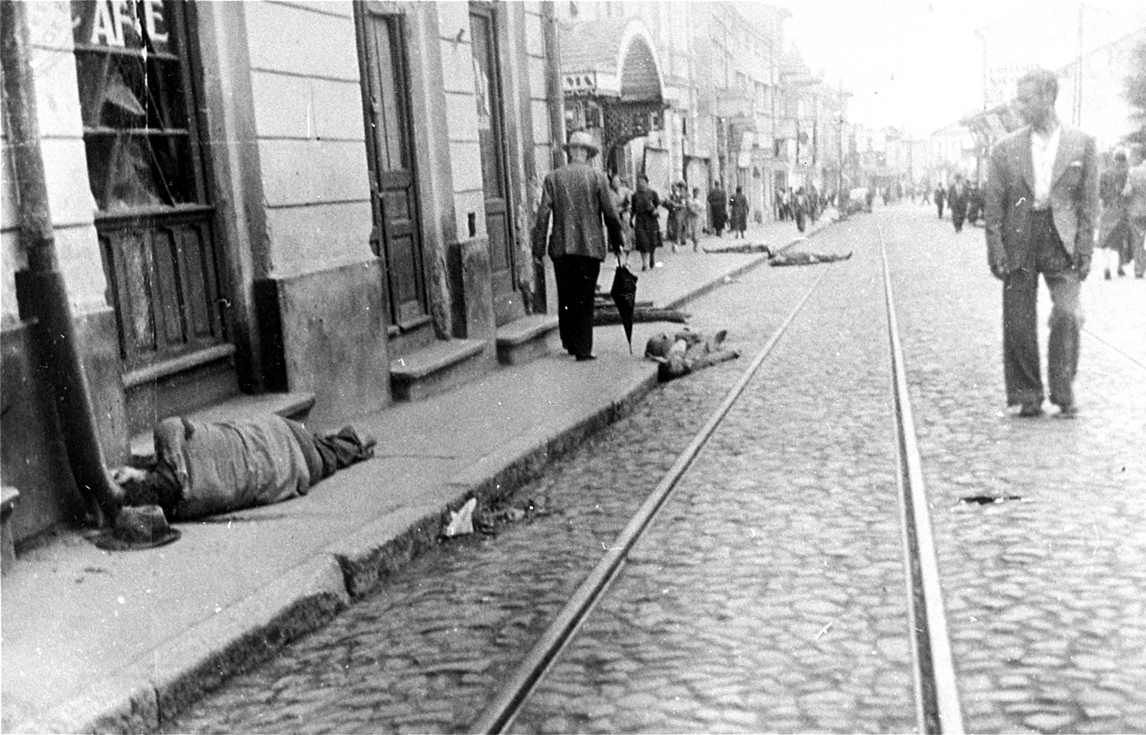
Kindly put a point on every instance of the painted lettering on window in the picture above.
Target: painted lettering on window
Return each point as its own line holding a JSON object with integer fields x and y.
{"x": 126, "y": 24}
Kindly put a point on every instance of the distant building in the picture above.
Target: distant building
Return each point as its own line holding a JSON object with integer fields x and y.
{"x": 699, "y": 91}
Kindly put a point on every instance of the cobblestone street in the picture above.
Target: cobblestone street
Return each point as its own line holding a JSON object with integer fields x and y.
{"x": 770, "y": 595}
{"x": 425, "y": 653}
{"x": 1046, "y": 595}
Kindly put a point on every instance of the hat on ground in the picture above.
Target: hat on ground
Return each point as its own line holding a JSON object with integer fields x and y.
{"x": 138, "y": 527}
{"x": 582, "y": 139}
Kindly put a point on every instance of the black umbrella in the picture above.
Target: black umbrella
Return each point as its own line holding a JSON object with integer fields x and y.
{"x": 624, "y": 293}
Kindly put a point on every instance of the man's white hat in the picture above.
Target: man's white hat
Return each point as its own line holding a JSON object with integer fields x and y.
{"x": 582, "y": 139}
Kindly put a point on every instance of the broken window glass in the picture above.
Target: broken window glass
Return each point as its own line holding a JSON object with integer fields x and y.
{"x": 134, "y": 104}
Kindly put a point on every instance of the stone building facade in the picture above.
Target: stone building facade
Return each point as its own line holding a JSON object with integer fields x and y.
{"x": 309, "y": 207}
{"x": 724, "y": 96}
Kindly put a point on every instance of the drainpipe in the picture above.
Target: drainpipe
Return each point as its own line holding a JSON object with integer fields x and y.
{"x": 556, "y": 98}
{"x": 554, "y": 87}
{"x": 40, "y": 287}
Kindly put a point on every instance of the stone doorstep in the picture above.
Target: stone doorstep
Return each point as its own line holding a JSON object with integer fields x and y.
{"x": 436, "y": 368}
{"x": 525, "y": 339}
{"x": 288, "y": 405}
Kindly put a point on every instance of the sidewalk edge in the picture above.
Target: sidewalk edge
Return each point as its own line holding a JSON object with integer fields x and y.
{"x": 150, "y": 691}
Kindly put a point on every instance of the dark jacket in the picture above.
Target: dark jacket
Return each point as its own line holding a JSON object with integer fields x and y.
{"x": 577, "y": 197}
{"x": 1010, "y": 194}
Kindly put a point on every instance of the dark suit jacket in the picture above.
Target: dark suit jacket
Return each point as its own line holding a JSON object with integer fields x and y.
{"x": 1010, "y": 194}
{"x": 578, "y": 198}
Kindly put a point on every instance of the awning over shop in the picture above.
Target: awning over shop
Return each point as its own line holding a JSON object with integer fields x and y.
{"x": 611, "y": 58}
{"x": 992, "y": 124}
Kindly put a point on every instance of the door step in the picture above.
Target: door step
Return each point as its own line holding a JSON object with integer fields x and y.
{"x": 525, "y": 339}
{"x": 437, "y": 368}
{"x": 237, "y": 408}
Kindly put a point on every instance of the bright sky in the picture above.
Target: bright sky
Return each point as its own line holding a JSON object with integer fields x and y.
{"x": 915, "y": 64}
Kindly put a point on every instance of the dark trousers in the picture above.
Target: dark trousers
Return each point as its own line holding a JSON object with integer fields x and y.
{"x": 576, "y": 277}
{"x": 1020, "y": 320}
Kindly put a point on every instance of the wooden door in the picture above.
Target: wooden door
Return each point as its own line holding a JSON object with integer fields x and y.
{"x": 397, "y": 234}
{"x": 494, "y": 163}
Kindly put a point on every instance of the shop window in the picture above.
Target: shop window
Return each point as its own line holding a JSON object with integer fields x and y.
{"x": 134, "y": 96}
{"x": 154, "y": 221}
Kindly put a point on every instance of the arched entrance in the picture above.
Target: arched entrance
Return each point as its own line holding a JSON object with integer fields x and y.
{"x": 613, "y": 88}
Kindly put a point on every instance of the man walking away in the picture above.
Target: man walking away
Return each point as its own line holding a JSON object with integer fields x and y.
{"x": 939, "y": 196}
{"x": 717, "y": 208}
{"x": 957, "y": 201}
{"x": 577, "y": 197}
{"x": 1042, "y": 204}
{"x": 1114, "y": 231}
{"x": 1135, "y": 191}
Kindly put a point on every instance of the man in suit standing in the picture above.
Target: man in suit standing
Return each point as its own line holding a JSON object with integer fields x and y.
{"x": 1041, "y": 208}
{"x": 578, "y": 198}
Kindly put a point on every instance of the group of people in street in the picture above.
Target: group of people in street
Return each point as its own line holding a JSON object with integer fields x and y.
{"x": 640, "y": 218}
{"x": 964, "y": 200}
{"x": 639, "y": 212}
{"x": 719, "y": 207}
{"x": 800, "y": 205}
{"x": 593, "y": 214}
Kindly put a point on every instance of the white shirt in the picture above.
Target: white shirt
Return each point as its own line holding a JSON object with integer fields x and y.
{"x": 1044, "y": 149}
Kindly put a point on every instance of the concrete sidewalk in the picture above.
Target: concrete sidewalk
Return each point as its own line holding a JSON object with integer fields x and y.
{"x": 99, "y": 641}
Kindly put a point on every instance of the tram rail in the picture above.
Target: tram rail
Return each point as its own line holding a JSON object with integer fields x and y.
{"x": 937, "y": 704}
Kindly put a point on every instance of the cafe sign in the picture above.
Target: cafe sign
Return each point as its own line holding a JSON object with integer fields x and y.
{"x": 124, "y": 24}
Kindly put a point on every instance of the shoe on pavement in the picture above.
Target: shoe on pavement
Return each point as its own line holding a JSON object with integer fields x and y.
{"x": 1030, "y": 410}
{"x": 586, "y": 358}
{"x": 1067, "y": 411}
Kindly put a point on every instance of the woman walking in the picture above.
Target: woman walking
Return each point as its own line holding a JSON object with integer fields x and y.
{"x": 646, "y": 225}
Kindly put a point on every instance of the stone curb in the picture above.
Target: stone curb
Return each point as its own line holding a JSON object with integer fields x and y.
{"x": 181, "y": 671}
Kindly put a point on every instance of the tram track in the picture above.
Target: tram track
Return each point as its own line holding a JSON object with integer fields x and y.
{"x": 937, "y": 702}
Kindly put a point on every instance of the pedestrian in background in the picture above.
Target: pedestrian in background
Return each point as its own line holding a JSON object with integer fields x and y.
{"x": 717, "y": 208}
{"x": 940, "y": 196}
{"x": 1114, "y": 231}
{"x": 622, "y": 202}
{"x": 1042, "y": 206}
{"x": 1135, "y": 191}
{"x": 739, "y": 212}
{"x": 800, "y": 208}
{"x": 646, "y": 224}
{"x": 974, "y": 202}
{"x": 693, "y": 220}
{"x": 678, "y": 211}
{"x": 577, "y": 198}
{"x": 957, "y": 202}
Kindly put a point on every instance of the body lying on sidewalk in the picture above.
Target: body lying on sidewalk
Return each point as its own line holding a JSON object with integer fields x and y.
{"x": 205, "y": 468}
